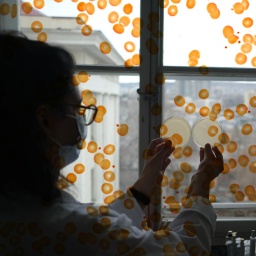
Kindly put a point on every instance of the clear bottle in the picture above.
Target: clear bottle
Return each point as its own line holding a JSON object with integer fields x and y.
{"x": 252, "y": 243}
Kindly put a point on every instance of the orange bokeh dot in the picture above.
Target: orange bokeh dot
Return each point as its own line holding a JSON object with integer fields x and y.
{"x": 39, "y": 4}
{"x": 110, "y": 199}
{"x": 231, "y": 146}
{"x": 164, "y": 181}
{"x": 190, "y": 108}
{"x": 249, "y": 190}
{"x": 81, "y": 6}
{"x": 86, "y": 30}
{"x": 177, "y": 153}
{"x": 232, "y": 163}
{"x": 216, "y": 108}
{"x": 211, "y": 7}
{"x": 36, "y": 26}
{"x": 253, "y": 61}
{"x": 109, "y": 149}
{"x": 124, "y": 21}
{"x": 252, "y": 167}
{"x": 102, "y": 4}
{"x": 215, "y": 14}
{"x": 253, "y": 101}
{"x": 238, "y": 8}
{"x": 212, "y": 130}
{"x": 163, "y": 4}
{"x": 136, "y": 59}
{"x": 227, "y": 31}
{"x": 233, "y": 188}
{"x": 118, "y": 28}
{"x": 98, "y": 158}
{"x": 113, "y": 17}
{"x": 90, "y": 8}
{"x": 213, "y": 115}
{"x": 106, "y": 188}
{"x": 243, "y": 160}
{"x": 79, "y": 168}
{"x": 174, "y": 184}
{"x": 190, "y": 4}
{"x": 228, "y": 114}
{"x": 105, "y": 47}
{"x": 246, "y": 129}
{"x": 203, "y": 94}
{"x": 252, "y": 150}
{"x": 179, "y": 100}
{"x": 163, "y": 129}
{"x": 245, "y": 4}
{"x": 240, "y": 58}
{"x": 26, "y": 7}
{"x": 239, "y": 196}
{"x": 176, "y": 139}
{"x": 246, "y": 48}
{"x": 187, "y": 151}
{"x": 135, "y": 32}
{"x": 5, "y": 9}
{"x": 223, "y": 138}
{"x": 192, "y": 62}
{"x": 194, "y": 54}
{"x": 81, "y": 18}
{"x": 42, "y": 37}
{"x": 232, "y": 38}
{"x": 185, "y": 167}
{"x": 248, "y": 38}
{"x": 172, "y": 10}
{"x": 127, "y": 8}
{"x": 83, "y": 76}
{"x": 109, "y": 176}
{"x": 247, "y": 22}
{"x": 14, "y": 11}
{"x": 221, "y": 148}
{"x": 178, "y": 176}
{"x": 122, "y": 130}
{"x": 128, "y": 203}
{"x": 204, "y": 111}
{"x": 226, "y": 169}
{"x": 105, "y": 164}
{"x": 241, "y": 109}
{"x": 129, "y": 46}
{"x": 71, "y": 177}
{"x": 115, "y": 2}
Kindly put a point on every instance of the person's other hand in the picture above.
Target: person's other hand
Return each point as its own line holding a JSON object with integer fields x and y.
{"x": 211, "y": 165}
{"x": 156, "y": 161}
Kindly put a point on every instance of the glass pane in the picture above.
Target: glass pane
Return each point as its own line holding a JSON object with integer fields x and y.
{"x": 232, "y": 104}
{"x": 212, "y": 33}
{"x": 109, "y": 160}
{"x": 97, "y": 32}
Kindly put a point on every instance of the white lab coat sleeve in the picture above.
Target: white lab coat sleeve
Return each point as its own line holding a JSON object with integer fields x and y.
{"x": 195, "y": 225}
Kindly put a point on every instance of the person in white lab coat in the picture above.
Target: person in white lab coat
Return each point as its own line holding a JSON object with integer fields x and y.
{"x": 43, "y": 125}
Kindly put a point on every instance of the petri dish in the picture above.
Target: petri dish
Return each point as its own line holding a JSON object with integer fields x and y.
{"x": 177, "y": 129}
{"x": 206, "y": 130}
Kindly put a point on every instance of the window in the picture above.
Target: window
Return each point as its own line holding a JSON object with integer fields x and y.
{"x": 133, "y": 59}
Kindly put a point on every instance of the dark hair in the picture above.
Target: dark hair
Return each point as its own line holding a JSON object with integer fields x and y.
{"x": 32, "y": 73}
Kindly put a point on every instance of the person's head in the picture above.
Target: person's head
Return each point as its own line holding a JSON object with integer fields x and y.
{"x": 39, "y": 114}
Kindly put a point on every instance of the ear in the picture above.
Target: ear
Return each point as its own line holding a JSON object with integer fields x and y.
{"x": 44, "y": 117}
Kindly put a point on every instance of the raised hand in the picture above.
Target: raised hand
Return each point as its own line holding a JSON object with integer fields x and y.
{"x": 211, "y": 165}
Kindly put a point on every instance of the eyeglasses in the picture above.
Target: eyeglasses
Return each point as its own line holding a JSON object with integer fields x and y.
{"x": 88, "y": 113}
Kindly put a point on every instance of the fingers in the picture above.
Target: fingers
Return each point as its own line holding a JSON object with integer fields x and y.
{"x": 166, "y": 151}
{"x": 217, "y": 153}
{"x": 155, "y": 143}
{"x": 201, "y": 154}
{"x": 208, "y": 153}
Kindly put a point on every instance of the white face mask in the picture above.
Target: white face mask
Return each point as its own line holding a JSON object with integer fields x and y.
{"x": 71, "y": 153}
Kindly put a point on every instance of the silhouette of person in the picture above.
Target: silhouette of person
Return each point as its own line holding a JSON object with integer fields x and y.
{"x": 43, "y": 125}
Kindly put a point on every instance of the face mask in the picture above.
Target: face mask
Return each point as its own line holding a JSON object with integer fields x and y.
{"x": 71, "y": 153}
